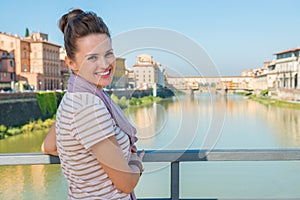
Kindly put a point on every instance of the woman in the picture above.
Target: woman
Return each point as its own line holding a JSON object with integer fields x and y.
{"x": 94, "y": 141}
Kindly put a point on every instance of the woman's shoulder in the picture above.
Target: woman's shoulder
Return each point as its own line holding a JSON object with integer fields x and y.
{"x": 84, "y": 98}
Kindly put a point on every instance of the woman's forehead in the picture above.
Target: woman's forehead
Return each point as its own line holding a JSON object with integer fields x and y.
{"x": 94, "y": 43}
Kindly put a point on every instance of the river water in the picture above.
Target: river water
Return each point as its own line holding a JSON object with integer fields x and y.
{"x": 185, "y": 122}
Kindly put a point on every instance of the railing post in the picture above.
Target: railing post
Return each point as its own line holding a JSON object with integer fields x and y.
{"x": 175, "y": 180}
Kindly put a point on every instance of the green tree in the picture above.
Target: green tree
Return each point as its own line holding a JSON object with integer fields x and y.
{"x": 123, "y": 102}
{"x": 114, "y": 98}
{"x": 26, "y": 32}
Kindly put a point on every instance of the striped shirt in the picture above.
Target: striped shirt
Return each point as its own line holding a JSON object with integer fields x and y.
{"x": 82, "y": 120}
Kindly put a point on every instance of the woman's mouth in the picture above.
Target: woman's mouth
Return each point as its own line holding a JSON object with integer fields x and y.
{"x": 105, "y": 73}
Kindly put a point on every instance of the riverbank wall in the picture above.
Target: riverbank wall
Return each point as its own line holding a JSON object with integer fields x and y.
{"x": 129, "y": 93}
{"x": 285, "y": 94}
{"x": 17, "y": 109}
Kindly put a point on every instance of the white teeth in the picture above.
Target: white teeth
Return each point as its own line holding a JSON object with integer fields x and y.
{"x": 104, "y": 73}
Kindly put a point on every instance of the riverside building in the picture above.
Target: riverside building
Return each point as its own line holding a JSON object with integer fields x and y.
{"x": 282, "y": 73}
{"x": 120, "y": 78}
{"x": 280, "y": 77}
{"x": 36, "y": 61}
{"x": 7, "y": 69}
{"x": 287, "y": 66}
{"x": 147, "y": 73}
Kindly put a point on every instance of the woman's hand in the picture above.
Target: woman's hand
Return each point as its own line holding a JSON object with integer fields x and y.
{"x": 133, "y": 149}
{"x": 135, "y": 156}
{"x": 136, "y": 160}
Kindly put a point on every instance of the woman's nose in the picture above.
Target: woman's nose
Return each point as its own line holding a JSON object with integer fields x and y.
{"x": 103, "y": 63}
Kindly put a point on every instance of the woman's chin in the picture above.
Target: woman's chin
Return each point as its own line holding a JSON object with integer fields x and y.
{"x": 103, "y": 83}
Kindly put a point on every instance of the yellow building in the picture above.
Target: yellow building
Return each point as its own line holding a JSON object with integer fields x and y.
{"x": 120, "y": 79}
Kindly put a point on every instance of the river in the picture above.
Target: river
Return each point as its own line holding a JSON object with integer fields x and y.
{"x": 185, "y": 122}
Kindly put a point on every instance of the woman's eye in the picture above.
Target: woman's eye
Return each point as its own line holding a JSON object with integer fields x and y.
{"x": 109, "y": 54}
{"x": 92, "y": 58}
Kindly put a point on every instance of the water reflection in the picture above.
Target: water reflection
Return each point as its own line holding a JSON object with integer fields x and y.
{"x": 32, "y": 182}
{"x": 149, "y": 121}
{"x": 166, "y": 125}
{"x": 204, "y": 120}
{"x": 28, "y": 142}
{"x": 180, "y": 123}
{"x": 10, "y": 189}
{"x": 284, "y": 122}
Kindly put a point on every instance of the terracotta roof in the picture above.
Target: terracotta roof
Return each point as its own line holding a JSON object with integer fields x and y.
{"x": 43, "y": 41}
{"x": 289, "y": 50}
{"x": 10, "y": 35}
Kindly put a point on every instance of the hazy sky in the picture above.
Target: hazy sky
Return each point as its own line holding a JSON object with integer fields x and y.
{"x": 234, "y": 34}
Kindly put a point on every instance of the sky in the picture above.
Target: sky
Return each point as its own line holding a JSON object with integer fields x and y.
{"x": 187, "y": 37}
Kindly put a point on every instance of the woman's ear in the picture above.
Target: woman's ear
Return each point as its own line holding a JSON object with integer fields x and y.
{"x": 71, "y": 64}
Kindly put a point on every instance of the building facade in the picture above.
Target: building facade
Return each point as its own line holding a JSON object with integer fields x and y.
{"x": 37, "y": 61}
{"x": 131, "y": 80}
{"x": 287, "y": 65}
{"x": 147, "y": 73}
{"x": 7, "y": 69}
{"x": 120, "y": 78}
{"x": 282, "y": 73}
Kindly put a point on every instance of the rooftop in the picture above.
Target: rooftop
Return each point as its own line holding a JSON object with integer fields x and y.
{"x": 287, "y": 51}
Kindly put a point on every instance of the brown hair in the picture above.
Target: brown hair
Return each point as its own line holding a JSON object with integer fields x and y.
{"x": 77, "y": 24}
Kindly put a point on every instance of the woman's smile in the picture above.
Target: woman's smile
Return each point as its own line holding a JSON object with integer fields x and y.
{"x": 104, "y": 74}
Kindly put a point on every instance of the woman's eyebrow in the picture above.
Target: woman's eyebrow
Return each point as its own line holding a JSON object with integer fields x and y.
{"x": 96, "y": 54}
{"x": 91, "y": 54}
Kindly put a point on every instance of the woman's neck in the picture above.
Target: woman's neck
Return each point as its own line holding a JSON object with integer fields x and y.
{"x": 99, "y": 87}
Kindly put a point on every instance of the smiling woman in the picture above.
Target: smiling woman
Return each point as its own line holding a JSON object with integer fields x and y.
{"x": 94, "y": 140}
{"x": 95, "y": 61}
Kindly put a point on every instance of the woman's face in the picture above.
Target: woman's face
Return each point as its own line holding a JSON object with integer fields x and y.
{"x": 94, "y": 59}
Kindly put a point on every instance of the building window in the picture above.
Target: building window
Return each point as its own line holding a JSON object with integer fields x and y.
{"x": 12, "y": 77}
{"x": 24, "y": 54}
{"x": 11, "y": 63}
{"x": 24, "y": 67}
{"x": 284, "y": 55}
{"x": 35, "y": 68}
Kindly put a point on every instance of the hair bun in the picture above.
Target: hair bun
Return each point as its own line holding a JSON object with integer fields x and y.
{"x": 64, "y": 20}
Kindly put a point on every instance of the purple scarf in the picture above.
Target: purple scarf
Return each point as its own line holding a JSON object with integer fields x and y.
{"x": 79, "y": 84}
